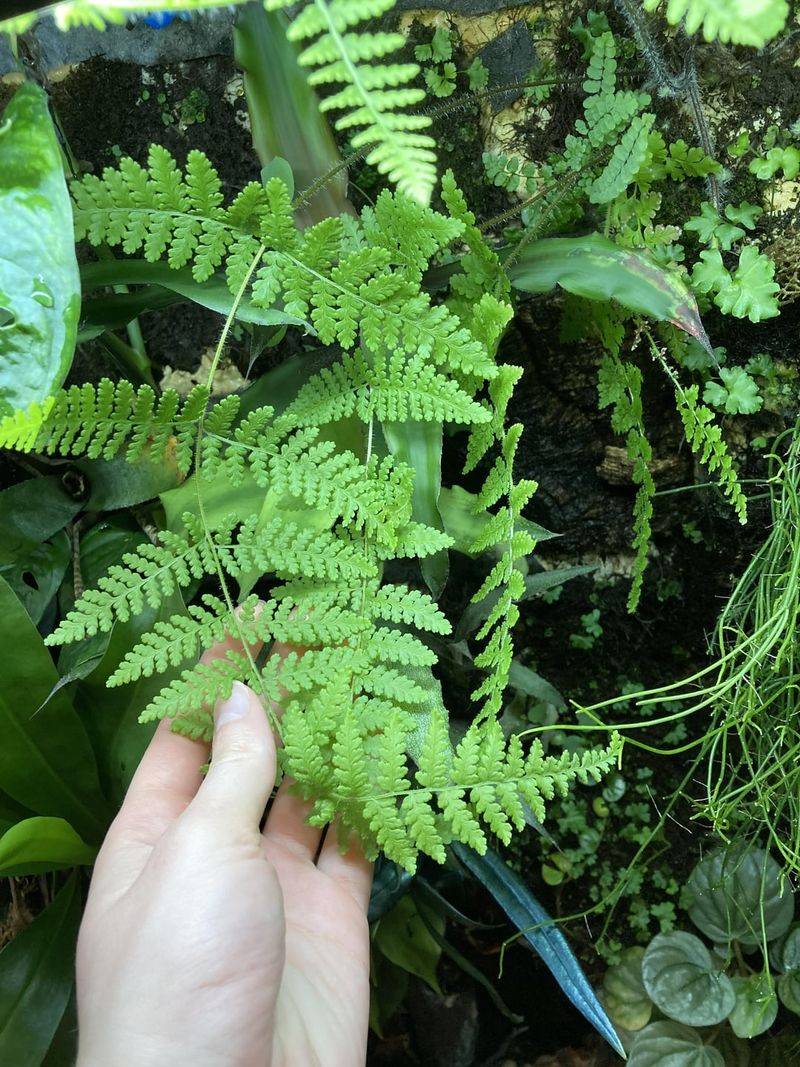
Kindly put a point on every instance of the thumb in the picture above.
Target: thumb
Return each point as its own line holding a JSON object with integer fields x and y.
{"x": 243, "y": 761}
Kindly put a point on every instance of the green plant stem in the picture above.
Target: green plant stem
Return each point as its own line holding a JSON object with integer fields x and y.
{"x": 133, "y": 362}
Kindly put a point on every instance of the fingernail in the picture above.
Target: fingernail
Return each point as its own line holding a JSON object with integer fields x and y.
{"x": 234, "y": 707}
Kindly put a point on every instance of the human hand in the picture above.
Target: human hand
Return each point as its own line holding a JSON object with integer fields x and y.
{"x": 209, "y": 943}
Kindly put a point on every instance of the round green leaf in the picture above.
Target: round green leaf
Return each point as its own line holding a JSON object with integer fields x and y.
{"x": 40, "y": 293}
{"x": 789, "y": 991}
{"x": 756, "y": 1005}
{"x": 790, "y": 953}
{"x": 626, "y": 998}
{"x": 669, "y": 1044}
{"x": 680, "y": 979}
{"x": 737, "y": 894}
{"x": 42, "y": 844}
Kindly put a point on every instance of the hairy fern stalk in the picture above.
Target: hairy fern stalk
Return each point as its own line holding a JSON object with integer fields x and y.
{"x": 355, "y": 684}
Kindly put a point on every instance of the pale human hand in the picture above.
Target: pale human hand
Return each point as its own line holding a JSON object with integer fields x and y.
{"x": 208, "y": 942}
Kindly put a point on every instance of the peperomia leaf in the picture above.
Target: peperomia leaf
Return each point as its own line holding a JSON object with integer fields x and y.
{"x": 756, "y": 1005}
{"x": 681, "y": 980}
{"x": 597, "y": 269}
{"x": 669, "y": 1044}
{"x": 625, "y": 995}
{"x": 541, "y": 933}
{"x": 738, "y": 894}
{"x": 789, "y": 982}
{"x": 36, "y": 979}
{"x": 40, "y": 294}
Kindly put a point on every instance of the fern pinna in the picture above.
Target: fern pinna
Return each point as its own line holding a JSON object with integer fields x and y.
{"x": 352, "y": 658}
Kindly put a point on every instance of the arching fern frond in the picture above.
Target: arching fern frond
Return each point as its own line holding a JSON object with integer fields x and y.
{"x": 737, "y": 21}
{"x": 374, "y": 95}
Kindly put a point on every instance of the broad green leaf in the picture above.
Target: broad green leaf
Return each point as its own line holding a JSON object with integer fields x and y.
{"x": 597, "y": 269}
{"x": 40, "y": 293}
{"x": 465, "y": 525}
{"x": 111, "y": 716}
{"x": 419, "y": 445}
{"x": 669, "y": 1044}
{"x": 46, "y": 761}
{"x": 403, "y": 938}
{"x": 285, "y": 118}
{"x": 681, "y": 980}
{"x": 36, "y": 576}
{"x": 42, "y": 844}
{"x": 389, "y": 884}
{"x": 213, "y": 294}
{"x": 738, "y": 894}
{"x": 10, "y": 813}
{"x": 541, "y": 933}
{"x": 30, "y": 513}
{"x": 756, "y": 1005}
{"x": 535, "y": 585}
{"x": 625, "y": 995}
{"x": 36, "y": 979}
{"x": 388, "y": 989}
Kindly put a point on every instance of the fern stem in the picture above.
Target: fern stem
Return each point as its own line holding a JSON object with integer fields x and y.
{"x": 198, "y": 483}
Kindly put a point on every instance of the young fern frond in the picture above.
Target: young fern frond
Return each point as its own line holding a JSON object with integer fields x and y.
{"x": 356, "y": 684}
{"x": 373, "y": 96}
{"x": 108, "y": 419}
{"x": 348, "y": 290}
{"x": 619, "y": 386}
{"x": 481, "y": 787}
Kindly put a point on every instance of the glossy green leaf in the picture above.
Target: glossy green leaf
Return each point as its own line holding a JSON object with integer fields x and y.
{"x": 624, "y": 993}
{"x": 419, "y": 445}
{"x": 680, "y": 978}
{"x": 213, "y": 294}
{"x": 597, "y": 269}
{"x": 389, "y": 884}
{"x": 669, "y": 1044}
{"x": 464, "y": 524}
{"x": 738, "y": 894}
{"x": 10, "y": 813}
{"x": 36, "y": 979}
{"x": 535, "y": 585}
{"x": 403, "y": 938}
{"x": 42, "y": 844}
{"x": 541, "y": 933}
{"x": 36, "y": 575}
{"x": 789, "y": 982}
{"x": 111, "y": 716}
{"x": 756, "y": 1005}
{"x": 40, "y": 292}
{"x": 46, "y": 761}
{"x": 31, "y": 512}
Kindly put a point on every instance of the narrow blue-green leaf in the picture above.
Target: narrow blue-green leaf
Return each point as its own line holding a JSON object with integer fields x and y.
{"x": 40, "y": 295}
{"x": 46, "y": 761}
{"x": 36, "y": 979}
{"x": 42, "y": 844}
{"x": 419, "y": 445}
{"x": 541, "y": 933}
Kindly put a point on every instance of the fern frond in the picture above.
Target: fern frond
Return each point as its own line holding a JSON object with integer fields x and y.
{"x": 392, "y": 389}
{"x": 737, "y": 21}
{"x": 373, "y": 96}
{"x": 189, "y": 700}
{"x": 109, "y": 419}
{"x": 704, "y": 437}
